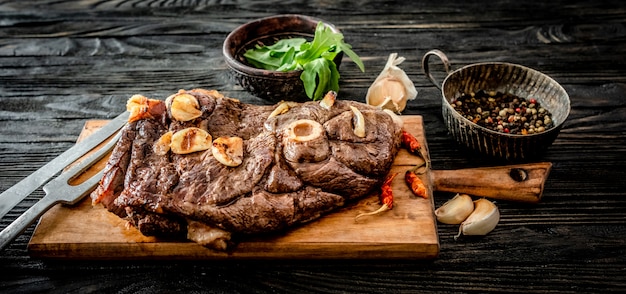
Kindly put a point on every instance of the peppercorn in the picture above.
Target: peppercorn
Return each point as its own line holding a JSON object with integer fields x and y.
{"x": 504, "y": 112}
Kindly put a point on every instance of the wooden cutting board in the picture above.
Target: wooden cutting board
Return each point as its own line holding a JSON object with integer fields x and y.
{"x": 408, "y": 231}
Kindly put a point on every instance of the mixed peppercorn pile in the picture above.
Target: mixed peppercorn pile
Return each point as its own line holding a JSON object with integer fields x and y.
{"x": 504, "y": 112}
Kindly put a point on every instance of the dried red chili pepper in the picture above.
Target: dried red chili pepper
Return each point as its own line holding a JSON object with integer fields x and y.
{"x": 385, "y": 197}
{"x": 411, "y": 144}
{"x": 415, "y": 184}
{"x": 386, "y": 193}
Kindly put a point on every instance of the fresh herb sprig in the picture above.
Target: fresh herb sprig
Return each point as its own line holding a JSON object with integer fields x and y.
{"x": 314, "y": 58}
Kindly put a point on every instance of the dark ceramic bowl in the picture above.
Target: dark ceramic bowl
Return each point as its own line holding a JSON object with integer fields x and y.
{"x": 509, "y": 78}
{"x": 267, "y": 84}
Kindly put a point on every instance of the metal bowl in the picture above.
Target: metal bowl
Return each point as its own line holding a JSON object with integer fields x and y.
{"x": 267, "y": 84}
{"x": 509, "y": 78}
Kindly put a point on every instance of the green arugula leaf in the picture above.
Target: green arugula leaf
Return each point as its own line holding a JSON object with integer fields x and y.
{"x": 315, "y": 59}
{"x": 274, "y": 56}
{"x": 285, "y": 44}
{"x": 320, "y": 76}
{"x": 347, "y": 48}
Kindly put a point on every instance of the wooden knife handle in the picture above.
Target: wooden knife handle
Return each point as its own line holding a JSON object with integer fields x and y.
{"x": 521, "y": 182}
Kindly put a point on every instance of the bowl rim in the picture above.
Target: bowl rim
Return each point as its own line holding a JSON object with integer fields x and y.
{"x": 456, "y": 114}
{"x": 234, "y": 63}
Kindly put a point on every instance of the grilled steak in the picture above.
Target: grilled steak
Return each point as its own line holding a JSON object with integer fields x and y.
{"x": 202, "y": 166}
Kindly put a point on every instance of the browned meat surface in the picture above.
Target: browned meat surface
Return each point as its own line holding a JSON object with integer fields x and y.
{"x": 296, "y": 166}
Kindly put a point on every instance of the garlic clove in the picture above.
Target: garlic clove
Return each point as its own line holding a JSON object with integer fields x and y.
{"x": 392, "y": 88}
{"x": 184, "y": 106}
{"x": 162, "y": 145}
{"x": 359, "y": 122}
{"x": 483, "y": 219}
{"x": 329, "y": 100}
{"x": 455, "y": 210}
{"x": 228, "y": 150}
{"x": 282, "y": 107}
{"x": 139, "y": 107}
{"x": 136, "y": 105}
{"x": 387, "y": 103}
{"x": 190, "y": 140}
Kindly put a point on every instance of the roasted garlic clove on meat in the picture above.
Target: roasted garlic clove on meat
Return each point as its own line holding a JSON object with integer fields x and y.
{"x": 329, "y": 100}
{"x": 305, "y": 140}
{"x": 482, "y": 220}
{"x": 139, "y": 107}
{"x": 455, "y": 210}
{"x": 190, "y": 140}
{"x": 137, "y": 104}
{"x": 162, "y": 145}
{"x": 228, "y": 150}
{"x": 183, "y": 106}
{"x": 392, "y": 88}
{"x": 359, "y": 122}
{"x": 282, "y": 108}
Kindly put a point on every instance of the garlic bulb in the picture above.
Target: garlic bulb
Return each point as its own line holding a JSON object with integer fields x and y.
{"x": 455, "y": 210}
{"x": 392, "y": 88}
{"x": 483, "y": 219}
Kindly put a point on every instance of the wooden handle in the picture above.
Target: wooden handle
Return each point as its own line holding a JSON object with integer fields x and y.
{"x": 521, "y": 183}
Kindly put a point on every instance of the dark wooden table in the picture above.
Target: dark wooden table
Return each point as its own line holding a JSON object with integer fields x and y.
{"x": 65, "y": 62}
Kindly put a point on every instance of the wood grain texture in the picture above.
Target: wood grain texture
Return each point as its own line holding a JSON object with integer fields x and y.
{"x": 65, "y": 62}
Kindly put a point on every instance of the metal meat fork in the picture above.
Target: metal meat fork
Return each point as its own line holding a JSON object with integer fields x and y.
{"x": 59, "y": 190}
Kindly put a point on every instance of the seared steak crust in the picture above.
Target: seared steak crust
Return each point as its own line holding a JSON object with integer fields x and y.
{"x": 161, "y": 194}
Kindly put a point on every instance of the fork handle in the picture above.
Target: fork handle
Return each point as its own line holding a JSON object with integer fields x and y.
{"x": 521, "y": 182}
{"x": 25, "y": 220}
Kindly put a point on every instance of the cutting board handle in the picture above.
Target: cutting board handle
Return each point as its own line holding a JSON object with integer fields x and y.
{"x": 520, "y": 183}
